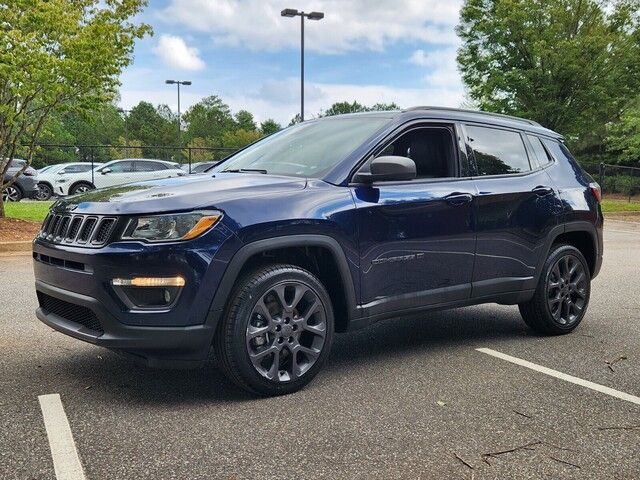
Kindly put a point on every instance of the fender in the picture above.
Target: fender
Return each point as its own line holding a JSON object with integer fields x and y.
{"x": 230, "y": 275}
{"x": 574, "y": 226}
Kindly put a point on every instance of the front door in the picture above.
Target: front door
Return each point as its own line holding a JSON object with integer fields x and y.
{"x": 417, "y": 237}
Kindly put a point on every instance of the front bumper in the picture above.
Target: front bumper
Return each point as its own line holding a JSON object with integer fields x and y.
{"x": 157, "y": 346}
{"x": 76, "y": 298}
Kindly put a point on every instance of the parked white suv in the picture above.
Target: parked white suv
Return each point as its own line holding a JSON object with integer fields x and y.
{"x": 118, "y": 172}
{"x": 48, "y": 177}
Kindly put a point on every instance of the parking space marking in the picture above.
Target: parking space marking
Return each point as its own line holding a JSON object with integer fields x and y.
{"x": 562, "y": 376}
{"x": 66, "y": 462}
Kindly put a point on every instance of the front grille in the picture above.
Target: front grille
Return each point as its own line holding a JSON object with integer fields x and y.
{"x": 71, "y": 312}
{"x": 70, "y": 229}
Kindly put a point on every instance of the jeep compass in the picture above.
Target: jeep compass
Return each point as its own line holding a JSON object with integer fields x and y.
{"x": 325, "y": 227}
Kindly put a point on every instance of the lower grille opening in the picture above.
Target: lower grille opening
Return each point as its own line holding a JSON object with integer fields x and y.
{"x": 71, "y": 312}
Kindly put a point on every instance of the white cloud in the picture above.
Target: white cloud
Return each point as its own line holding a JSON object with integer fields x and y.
{"x": 347, "y": 26}
{"x": 176, "y": 54}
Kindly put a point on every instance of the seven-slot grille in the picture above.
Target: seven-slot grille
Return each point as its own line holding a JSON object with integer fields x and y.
{"x": 84, "y": 230}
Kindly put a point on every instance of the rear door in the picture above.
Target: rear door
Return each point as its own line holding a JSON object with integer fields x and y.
{"x": 116, "y": 173}
{"x": 517, "y": 206}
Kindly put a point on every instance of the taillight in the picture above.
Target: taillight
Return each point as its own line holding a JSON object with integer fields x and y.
{"x": 597, "y": 192}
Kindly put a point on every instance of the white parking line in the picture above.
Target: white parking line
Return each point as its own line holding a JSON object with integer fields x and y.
{"x": 66, "y": 462}
{"x": 562, "y": 376}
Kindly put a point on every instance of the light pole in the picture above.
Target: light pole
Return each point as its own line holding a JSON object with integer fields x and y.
{"x": 292, "y": 12}
{"x": 178, "y": 83}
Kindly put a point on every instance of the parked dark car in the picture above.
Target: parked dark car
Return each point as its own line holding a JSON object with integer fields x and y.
{"x": 25, "y": 186}
{"x": 327, "y": 226}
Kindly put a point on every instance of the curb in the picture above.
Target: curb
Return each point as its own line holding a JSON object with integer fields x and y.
{"x": 23, "y": 247}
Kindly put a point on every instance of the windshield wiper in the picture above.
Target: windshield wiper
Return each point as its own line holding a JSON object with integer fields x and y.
{"x": 245, "y": 170}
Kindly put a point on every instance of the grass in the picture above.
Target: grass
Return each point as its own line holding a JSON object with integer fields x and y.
{"x": 34, "y": 211}
{"x": 613, "y": 205}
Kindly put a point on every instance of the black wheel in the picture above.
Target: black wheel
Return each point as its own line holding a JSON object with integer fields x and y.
{"x": 12, "y": 194}
{"x": 562, "y": 294}
{"x": 276, "y": 332}
{"x": 45, "y": 192}
{"x": 81, "y": 187}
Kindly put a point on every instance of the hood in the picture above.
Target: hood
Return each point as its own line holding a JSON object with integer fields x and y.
{"x": 178, "y": 193}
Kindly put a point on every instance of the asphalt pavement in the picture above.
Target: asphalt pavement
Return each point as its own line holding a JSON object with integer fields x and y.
{"x": 406, "y": 398}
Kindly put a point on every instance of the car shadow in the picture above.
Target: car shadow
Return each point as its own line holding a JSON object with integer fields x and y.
{"x": 115, "y": 378}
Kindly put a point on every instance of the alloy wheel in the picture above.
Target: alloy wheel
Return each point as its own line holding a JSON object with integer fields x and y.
{"x": 567, "y": 290}
{"x": 11, "y": 194}
{"x": 286, "y": 332}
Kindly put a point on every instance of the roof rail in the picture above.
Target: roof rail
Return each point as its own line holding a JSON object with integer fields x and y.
{"x": 477, "y": 112}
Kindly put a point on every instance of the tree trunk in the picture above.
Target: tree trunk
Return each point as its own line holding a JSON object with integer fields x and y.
{"x": 1, "y": 207}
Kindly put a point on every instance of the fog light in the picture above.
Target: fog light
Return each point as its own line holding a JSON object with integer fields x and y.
{"x": 149, "y": 282}
{"x": 148, "y": 292}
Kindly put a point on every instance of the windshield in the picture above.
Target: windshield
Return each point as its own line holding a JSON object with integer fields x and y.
{"x": 307, "y": 149}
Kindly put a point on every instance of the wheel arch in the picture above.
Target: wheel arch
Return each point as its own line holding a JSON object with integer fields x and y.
{"x": 321, "y": 255}
{"x": 579, "y": 234}
{"x": 79, "y": 182}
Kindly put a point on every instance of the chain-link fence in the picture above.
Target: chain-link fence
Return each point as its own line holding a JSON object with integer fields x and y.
{"x": 615, "y": 179}
{"x": 69, "y": 169}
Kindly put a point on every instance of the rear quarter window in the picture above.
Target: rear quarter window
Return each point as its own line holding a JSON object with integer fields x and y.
{"x": 497, "y": 151}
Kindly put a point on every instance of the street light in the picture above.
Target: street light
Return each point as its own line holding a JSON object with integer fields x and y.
{"x": 292, "y": 12}
{"x": 178, "y": 83}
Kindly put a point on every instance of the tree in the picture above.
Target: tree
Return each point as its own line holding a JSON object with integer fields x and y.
{"x": 245, "y": 121}
{"x": 297, "y": 118}
{"x": 569, "y": 64}
{"x": 270, "y": 126}
{"x": 58, "y": 55}
{"x": 339, "y": 108}
{"x": 384, "y": 107}
{"x": 209, "y": 118}
{"x": 239, "y": 138}
{"x": 152, "y": 127}
{"x": 624, "y": 136}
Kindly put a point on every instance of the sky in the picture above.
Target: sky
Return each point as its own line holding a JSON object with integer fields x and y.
{"x": 371, "y": 51}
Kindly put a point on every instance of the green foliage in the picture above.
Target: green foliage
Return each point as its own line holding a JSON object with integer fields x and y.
{"x": 59, "y": 55}
{"x": 340, "y": 108}
{"x": 624, "y": 136}
{"x": 245, "y": 121}
{"x": 210, "y": 118}
{"x": 270, "y": 126}
{"x": 240, "y": 138}
{"x": 153, "y": 127}
{"x": 569, "y": 64}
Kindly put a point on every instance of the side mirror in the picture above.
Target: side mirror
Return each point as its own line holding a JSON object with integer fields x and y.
{"x": 388, "y": 168}
{"x": 104, "y": 171}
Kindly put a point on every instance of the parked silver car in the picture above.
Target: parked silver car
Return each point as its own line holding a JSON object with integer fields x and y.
{"x": 25, "y": 186}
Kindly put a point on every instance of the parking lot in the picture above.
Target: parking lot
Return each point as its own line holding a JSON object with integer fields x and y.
{"x": 409, "y": 398}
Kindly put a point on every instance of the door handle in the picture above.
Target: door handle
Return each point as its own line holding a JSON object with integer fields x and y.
{"x": 542, "y": 190}
{"x": 457, "y": 198}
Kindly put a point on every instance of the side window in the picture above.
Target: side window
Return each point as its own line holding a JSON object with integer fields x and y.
{"x": 431, "y": 148}
{"x": 121, "y": 167}
{"x": 76, "y": 169}
{"x": 558, "y": 150}
{"x": 539, "y": 150}
{"x": 150, "y": 166}
{"x": 497, "y": 152}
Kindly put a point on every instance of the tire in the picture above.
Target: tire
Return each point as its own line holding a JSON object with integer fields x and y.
{"x": 80, "y": 187}
{"x": 562, "y": 295}
{"x": 45, "y": 192}
{"x": 12, "y": 193}
{"x": 269, "y": 315}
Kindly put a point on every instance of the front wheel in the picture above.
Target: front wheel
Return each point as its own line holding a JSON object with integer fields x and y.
{"x": 562, "y": 295}
{"x": 277, "y": 330}
{"x": 81, "y": 187}
{"x": 45, "y": 192}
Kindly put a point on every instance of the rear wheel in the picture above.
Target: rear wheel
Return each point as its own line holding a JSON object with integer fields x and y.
{"x": 562, "y": 295}
{"x": 12, "y": 194}
{"x": 81, "y": 187}
{"x": 277, "y": 331}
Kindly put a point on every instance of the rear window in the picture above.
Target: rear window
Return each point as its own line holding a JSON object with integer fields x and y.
{"x": 497, "y": 152}
{"x": 539, "y": 151}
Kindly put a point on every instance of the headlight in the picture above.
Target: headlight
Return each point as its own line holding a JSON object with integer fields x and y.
{"x": 166, "y": 228}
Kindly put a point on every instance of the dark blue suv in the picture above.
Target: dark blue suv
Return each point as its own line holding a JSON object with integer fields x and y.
{"x": 327, "y": 226}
